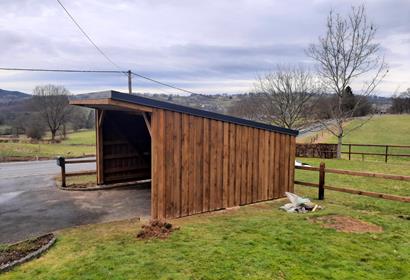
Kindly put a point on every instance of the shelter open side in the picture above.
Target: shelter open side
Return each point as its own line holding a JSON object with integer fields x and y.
{"x": 198, "y": 161}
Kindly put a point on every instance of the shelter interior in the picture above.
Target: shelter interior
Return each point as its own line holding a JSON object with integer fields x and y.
{"x": 126, "y": 149}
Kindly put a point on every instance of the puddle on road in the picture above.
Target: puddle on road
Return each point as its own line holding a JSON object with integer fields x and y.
{"x": 4, "y": 197}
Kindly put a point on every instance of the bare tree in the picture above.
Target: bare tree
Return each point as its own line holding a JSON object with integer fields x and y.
{"x": 348, "y": 54}
{"x": 288, "y": 93}
{"x": 52, "y": 104}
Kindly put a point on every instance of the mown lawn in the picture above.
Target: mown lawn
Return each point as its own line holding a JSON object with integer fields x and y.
{"x": 77, "y": 144}
{"x": 255, "y": 242}
{"x": 384, "y": 129}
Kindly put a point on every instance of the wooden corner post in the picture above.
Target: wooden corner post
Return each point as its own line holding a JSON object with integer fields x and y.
{"x": 321, "y": 193}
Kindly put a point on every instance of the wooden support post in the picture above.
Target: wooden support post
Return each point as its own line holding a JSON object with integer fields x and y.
{"x": 350, "y": 151}
{"x": 321, "y": 194}
{"x": 386, "y": 154}
{"x": 61, "y": 163}
{"x": 147, "y": 123}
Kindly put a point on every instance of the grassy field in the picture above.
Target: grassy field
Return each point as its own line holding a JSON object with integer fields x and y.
{"x": 255, "y": 242}
{"x": 77, "y": 144}
{"x": 385, "y": 129}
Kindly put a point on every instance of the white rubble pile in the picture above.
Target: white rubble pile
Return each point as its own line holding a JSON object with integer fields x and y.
{"x": 299, "y": 204}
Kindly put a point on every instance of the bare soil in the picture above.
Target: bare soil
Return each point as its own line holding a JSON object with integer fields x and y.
{"x": 19, "y": 250}
{"x": 156, "y": 229}
{"x": 346, "y": 224}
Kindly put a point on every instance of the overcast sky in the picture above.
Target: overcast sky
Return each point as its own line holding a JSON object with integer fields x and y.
{"x": 215, "y": 46}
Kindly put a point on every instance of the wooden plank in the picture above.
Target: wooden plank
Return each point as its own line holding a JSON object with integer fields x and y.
{"x": 271, "y": 173}
{"x": 276, "y": 191}
{"x": 292, "y": 157}
{"x": 161, "y": 164}
{"x": 368, "y": 174}
{"x": 177, "y": 166}
{"x": 79, "y": 161}
{"x": 144, "y": 115}
{"x": 80, "y": 173}
{"x": 232, "y": 165}
{"x": 244, "y": 146}
{"x": 191, "y": 174}
{"x": 213, "y": 194}
{"x": 261, "y": 140}
{"x": 131, "y": 106}
{"x": 249, "y": 164}
{"x": 286, "y": 162}
{"x": 282, "y": 170}
{"x": 90, "y": 102}
{"x": 255, "y": 164}
{"x": 238, "y": 163}
{"x": 370, "y": 194}
{"x": 99, "y": 149}
{"x": 307, "y": 184}
{"x": 154, "y": 164}
{"x": 225, "y": 193}
{"x": 169, "y": 168}
{"x": 266, "y": 166}
{"x": 220, "y": 140}
{"x": 206, "y": 165}
{"x": 185, "y": 165}
{"x": 198, "y": 165}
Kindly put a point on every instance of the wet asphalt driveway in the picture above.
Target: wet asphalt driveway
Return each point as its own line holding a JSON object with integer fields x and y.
{"x": 31, "y": 204}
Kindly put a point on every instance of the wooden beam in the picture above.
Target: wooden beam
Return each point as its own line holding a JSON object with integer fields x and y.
{"x": 147, "y": 123}
{"x": 90, "y": 102}
{"x": 131, "y": 106}
{"x": 101, "y": 117}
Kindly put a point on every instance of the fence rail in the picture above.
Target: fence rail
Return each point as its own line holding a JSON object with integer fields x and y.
{"x": 61, "y": 161}
{"x": 322, "y": 186}
{"x": 386, "y": 153}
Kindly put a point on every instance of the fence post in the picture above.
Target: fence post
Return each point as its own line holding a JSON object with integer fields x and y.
{"x": 385, "y": 158}
{"x": 350, "y": 150}
{"x": 321, "y": 193}
{"x": 61, "y": 163}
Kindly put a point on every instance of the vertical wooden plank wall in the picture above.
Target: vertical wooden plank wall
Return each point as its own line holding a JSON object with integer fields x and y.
{"x": 201, "y": 165}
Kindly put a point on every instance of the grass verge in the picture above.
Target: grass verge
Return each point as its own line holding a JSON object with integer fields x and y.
{"x": 77, "y": 144}
{"x": 255, "y": 242}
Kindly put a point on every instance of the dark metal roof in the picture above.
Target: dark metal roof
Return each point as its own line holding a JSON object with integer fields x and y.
{"x": 149, "y": 102}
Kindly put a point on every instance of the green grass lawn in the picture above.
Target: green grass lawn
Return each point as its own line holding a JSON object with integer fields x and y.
{"x": 255, "y": 242}
{"x": 384, "y": 129}
{"x": 77, "y": 144}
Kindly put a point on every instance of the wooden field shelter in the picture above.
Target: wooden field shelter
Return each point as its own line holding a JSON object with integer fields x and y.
{"x": 198, "y": 161}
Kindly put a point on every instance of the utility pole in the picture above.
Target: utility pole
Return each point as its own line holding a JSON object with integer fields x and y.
{"x": 129, "y": 82}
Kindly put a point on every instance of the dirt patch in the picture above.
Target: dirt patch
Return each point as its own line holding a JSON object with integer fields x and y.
{"x": 14, "y": 252}
{"x": 156, "y": 229}
{"x": 346, "y": 224}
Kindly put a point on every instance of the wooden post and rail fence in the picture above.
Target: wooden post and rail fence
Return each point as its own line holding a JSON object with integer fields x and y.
{"x": 322, "y": 186}
{"x": 386, "y": 153}
{"x": 61, "y": 161}
{"x": 327, "y": 150}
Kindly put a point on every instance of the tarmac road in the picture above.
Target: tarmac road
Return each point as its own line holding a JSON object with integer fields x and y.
{"x": 31, "y": 204}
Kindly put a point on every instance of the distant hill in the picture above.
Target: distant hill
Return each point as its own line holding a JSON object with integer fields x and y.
{"x": 7, "y": 96}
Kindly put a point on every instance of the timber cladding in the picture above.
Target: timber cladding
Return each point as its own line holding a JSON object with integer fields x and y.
{"x": 201, "y": 164}
{"x": 198, "y": 161}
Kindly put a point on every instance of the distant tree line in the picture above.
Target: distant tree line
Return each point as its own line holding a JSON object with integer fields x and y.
{"x": 401, "y": 103}
{"x": 48, "y": 111}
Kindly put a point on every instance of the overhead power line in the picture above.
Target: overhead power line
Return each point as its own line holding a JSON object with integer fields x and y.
{"x": 88, "y": 37}
{"x": 164, "y": 84}
{"x": 127, "y": 73}
{"x": 96, "y": 71}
